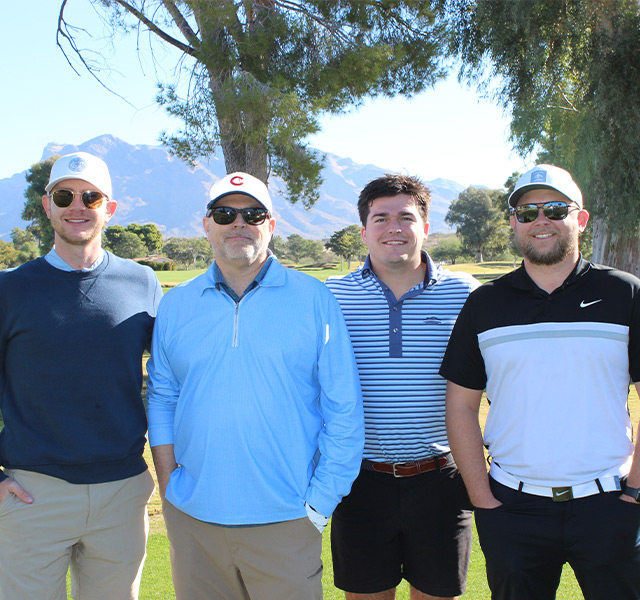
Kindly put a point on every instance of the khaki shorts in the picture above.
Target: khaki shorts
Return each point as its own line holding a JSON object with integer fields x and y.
{"x": 280, "y": 561}
{"x": 98, "y": 530}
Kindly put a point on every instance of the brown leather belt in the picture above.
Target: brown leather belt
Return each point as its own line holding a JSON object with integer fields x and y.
{"x": 407, "y": 469}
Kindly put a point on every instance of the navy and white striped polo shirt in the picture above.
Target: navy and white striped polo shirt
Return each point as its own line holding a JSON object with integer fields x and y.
{"x": 399, "y": 345}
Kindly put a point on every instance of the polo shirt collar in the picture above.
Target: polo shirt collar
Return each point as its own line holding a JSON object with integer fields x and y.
{"x": 522, "y": 280}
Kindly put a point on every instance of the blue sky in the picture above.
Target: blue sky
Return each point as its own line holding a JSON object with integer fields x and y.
{"x": 447, "y": 132}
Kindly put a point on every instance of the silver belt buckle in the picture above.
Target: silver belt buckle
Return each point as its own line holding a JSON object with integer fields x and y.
{"x": 398, "y": 465}
{"x": 561, "y": 494}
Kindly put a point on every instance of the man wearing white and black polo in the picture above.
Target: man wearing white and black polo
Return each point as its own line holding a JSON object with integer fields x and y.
{"x": 407, "y": 516}
{"x": 555, "y": 343}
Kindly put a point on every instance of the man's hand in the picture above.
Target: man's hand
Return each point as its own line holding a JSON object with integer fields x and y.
{"x": 319, "y": 521}
{"x": 9, "y": 486}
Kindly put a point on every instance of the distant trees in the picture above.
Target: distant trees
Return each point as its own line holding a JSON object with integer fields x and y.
{"x": 347, "y": 244}
{"x": 479, "y": 217}
{"x": 448, "y": 249}
{"x": 149, "y": 234}
{"x": 25, "y": 245}
{"x": 298, "y": 248}
{"x": 133, "y": 241}
{"x": 8, "y": 255}
{"x": 33, "y": 212}
{"x": 191, "y": 253}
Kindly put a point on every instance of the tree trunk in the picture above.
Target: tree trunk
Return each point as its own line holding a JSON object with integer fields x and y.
{"x": 614, "y": 250}
{"x": 479, "y": 255}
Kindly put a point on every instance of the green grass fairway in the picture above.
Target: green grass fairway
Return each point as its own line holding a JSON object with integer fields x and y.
{"x": 483, "y": 271}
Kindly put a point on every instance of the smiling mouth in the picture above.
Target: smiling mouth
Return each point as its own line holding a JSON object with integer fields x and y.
{"x": 543, "y": 236}
{"x": 394, "y": 243}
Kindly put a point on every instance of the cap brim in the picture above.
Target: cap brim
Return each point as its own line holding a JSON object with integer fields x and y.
{"x": 233, "y": 193}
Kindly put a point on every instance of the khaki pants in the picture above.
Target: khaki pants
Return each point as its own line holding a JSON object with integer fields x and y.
{"x": 99, "y": 530}
{"x": 280, "y": 561}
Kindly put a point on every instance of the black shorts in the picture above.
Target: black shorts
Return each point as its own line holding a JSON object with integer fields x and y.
{"x": 416, "y": 528}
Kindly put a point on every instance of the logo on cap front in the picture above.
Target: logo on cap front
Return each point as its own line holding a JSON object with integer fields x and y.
{"x": 538, "y": 177}
{"x": 77, "y": 164}
{"x": 237, "y": 180}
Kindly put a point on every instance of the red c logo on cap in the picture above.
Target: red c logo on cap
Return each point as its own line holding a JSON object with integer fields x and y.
{"x": 237, "y": 180}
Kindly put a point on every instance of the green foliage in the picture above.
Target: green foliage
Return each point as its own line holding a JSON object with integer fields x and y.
{"x": 8, "y": 255}
{"x": 449, "y": 249}
{"x": 25, "y": 244}
{"x": 123, "y": 243}
{"x": 133, "y": 241}
{"x": 261, "y": 73}
{"x": 347, "y": 243}
{"x": 479, "y": 217}
{"x": 33, "y": 212}
{"x": 191, "y": 253}
{"x": 298, "y": 248}
{"x": 150, "y": 235}
{"x": 569, "y": 72}
{"x": 278, "y": 246}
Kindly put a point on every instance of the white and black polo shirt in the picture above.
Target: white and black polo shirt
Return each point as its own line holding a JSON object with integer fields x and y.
{"x": 556, "y": 368}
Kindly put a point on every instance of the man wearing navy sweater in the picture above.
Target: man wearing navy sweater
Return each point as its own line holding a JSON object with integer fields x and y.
{"x": 73, "y": 326}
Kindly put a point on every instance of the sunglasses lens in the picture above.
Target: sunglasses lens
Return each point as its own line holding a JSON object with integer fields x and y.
{"x": 526, "y": 213}
{"x": 62, "y": 198}
{"x": 556, "y": 211}
{"x": 92, "y": 199}
{"x": 254, "y": 216}
{"x": 223, "y": 215}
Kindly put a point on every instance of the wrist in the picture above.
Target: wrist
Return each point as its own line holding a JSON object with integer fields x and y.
{"x": 632, "y": 493}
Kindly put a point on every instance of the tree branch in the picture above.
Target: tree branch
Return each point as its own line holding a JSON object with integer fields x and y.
{"x": 159, "y": 32}
{"x": 62, "y": 30}
{"x": 178, "y": 18}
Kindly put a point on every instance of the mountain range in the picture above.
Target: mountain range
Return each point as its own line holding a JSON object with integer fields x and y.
{"x": 152, "y": 186}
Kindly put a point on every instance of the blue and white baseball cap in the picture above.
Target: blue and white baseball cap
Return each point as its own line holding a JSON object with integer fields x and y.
{"x": 547, "y": 177}
{"x": 81, "y": 165}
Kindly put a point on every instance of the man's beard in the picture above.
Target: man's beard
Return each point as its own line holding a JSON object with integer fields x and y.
{"x": 564, "y": 247}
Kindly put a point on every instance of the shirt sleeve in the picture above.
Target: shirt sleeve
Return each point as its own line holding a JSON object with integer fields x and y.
{"x": 634, "y": 338}
{"x": 163, "y": 388}
{"x": 463, "y": 363}
{"x": 341, "y": 441}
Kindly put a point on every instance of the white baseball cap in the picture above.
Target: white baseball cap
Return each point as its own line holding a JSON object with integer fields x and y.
{"x": 241, "y": 183}
{"x": 81, "y": 165}
{"x": 547, "y": 177}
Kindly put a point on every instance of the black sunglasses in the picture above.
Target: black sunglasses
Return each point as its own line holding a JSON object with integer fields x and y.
{"x": 225, "y": 215}
{"x": 555, "y": 211}
{"x": 64, "y": 198}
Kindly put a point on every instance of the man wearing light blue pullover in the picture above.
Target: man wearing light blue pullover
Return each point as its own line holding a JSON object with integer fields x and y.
{"x": 255, "y": 412}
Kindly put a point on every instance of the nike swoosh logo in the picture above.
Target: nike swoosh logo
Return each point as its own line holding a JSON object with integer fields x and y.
{"x": 556, "y": 494}
{"x": 584, "y": 304}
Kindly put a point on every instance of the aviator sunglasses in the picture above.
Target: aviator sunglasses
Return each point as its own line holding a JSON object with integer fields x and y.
{"x": 225, "y": 215}
{"x": 554, "y": 211}
{"x": 64, "y": 198}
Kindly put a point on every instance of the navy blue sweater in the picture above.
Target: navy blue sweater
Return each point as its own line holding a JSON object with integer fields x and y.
{"x": 71, "y": 347}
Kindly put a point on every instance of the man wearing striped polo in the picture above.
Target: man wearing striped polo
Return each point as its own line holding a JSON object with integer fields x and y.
{"x": 407, "y": 515}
